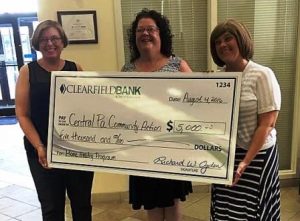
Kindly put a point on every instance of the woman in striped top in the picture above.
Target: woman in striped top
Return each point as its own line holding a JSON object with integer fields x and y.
{"x": 255, "y": 193}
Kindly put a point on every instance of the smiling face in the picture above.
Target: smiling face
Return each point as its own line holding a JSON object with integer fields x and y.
{"x": 51, "y": 44}
{"x": 147, "y": 36}
{"x": 227, "y": 49}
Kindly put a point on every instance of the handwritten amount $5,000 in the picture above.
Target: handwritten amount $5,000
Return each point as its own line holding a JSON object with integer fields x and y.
{"x": 188, "y": 127}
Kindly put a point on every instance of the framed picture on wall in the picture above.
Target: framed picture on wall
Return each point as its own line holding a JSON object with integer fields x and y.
{"x": 80, "y": 26}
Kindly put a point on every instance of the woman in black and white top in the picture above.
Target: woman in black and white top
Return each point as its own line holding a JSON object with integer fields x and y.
{"x": 255, "y": 193}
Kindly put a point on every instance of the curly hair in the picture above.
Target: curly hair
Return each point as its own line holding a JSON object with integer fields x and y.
{"x": 241, "y": 34}
{"x": 165, "y": 34}
{"x": 37, "y": 34}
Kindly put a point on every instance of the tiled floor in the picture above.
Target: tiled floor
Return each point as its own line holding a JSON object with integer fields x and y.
{"x": 18, "y": 200}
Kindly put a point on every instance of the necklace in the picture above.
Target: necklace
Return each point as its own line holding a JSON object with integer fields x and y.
{"x": 55, "y": 66}
{"x": 150, "y": 66}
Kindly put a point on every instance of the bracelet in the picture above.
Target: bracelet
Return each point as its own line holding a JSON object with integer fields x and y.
{"x": 40, "y": 145}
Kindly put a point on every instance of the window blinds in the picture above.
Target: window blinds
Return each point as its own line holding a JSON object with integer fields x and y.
{"x": 273, "y": 25}
{"x": 188, "y": 20}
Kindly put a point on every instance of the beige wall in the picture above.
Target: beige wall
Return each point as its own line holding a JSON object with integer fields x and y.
{"x": 101, "y": 56}
{"x": 93, "y": 57}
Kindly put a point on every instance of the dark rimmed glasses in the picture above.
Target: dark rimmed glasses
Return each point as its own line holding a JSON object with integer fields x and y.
{"x": 54, "y": 40}
{"x": 149, "y": 29}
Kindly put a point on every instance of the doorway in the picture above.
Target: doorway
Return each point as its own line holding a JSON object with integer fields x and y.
{"x": 15, "y": 51}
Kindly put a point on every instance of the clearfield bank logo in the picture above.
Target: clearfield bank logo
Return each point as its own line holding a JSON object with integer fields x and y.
{"x": 63, "y": 88}
{"x": 100, "y": 89}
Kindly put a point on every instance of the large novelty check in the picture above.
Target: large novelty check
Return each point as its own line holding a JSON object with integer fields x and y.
{"x": 169, "y": 125}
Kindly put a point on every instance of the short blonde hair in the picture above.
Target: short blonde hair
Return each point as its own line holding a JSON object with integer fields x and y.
{"x": 36, "y": 37}
{"x": 241, "y": 34}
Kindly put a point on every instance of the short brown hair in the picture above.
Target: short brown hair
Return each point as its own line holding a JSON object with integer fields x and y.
{"x": 36, "y": 37}
{"x": 241, "y": 34}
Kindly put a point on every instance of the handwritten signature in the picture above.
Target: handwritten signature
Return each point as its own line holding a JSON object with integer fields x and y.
{"x": 203, "y": 166}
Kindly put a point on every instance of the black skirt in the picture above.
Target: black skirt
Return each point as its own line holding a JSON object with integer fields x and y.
{"x": 151, "y": 193}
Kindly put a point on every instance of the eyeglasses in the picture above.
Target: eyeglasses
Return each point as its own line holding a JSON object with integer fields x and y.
{"x": 149, "y": 29}
{"x": 54, "y": 40}
{"x": 226, "y": 37}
